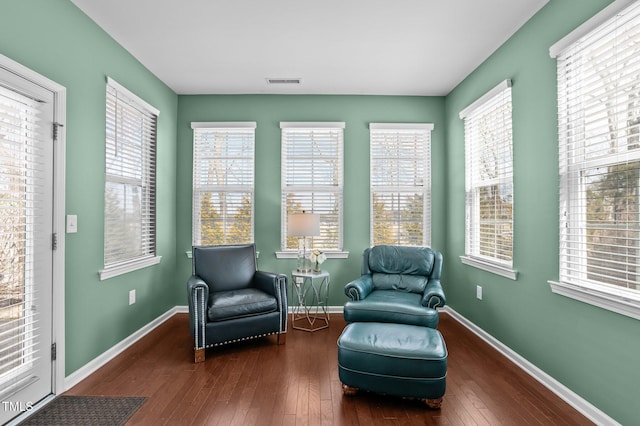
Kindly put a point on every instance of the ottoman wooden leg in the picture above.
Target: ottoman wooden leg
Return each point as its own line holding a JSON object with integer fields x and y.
{"x": 199, "y": 355}
{"x": 349, "y": 390}
{"x": 433, "y": 403}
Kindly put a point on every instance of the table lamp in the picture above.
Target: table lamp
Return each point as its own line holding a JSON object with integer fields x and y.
{"x": 303, "y": 225}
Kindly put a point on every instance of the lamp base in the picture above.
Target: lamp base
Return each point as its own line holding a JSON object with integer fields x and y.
{"x": 303, "y": 261}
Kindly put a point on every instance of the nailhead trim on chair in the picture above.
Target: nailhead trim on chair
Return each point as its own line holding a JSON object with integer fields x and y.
{"x": 278, "y": 292}
{"x": 195, "y": 314}
{"x": 237, "y": 340}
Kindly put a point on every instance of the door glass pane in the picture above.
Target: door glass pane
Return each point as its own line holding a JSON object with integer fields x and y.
{"x": 21, "y": 210}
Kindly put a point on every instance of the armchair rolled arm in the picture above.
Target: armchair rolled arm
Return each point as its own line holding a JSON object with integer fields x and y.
{"x": 198, "y": 297}
{"x": 359, "y": 288}
{"x": 433, "y": 296}
{"x": 275, "y": 285}
{"x": 267, "y": 282}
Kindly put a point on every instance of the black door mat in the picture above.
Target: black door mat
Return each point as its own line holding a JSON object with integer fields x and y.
{"x": 86, "y": 410}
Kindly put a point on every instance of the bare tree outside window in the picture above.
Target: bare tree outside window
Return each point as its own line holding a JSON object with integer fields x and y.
{"x": 312, "y": 180}
{"x": 223, "y": 183}
{"x": 400, "y": 183}
{"x": 489, "y": 177}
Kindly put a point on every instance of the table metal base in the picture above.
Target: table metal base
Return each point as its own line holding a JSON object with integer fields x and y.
{"x": 310, "y": 314}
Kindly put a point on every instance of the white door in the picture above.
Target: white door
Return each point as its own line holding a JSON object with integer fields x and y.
{"x": 26, "y": 243}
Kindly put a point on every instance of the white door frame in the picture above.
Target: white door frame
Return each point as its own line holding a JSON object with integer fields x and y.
{"x": 59, "y": 152}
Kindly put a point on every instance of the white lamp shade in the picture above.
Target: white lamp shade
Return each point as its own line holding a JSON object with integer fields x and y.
{"x": 303, "y": 225}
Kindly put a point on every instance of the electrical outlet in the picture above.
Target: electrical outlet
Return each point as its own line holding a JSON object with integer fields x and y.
{"x": 132, "y": 297}
{"x": 299, "y": 280}
{"x": 479, "y": 292}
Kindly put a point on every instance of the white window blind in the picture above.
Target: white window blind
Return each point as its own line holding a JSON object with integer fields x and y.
{"x": 312, "y": 179}
{"x": 489, "y": 177}
{"x": 25, "y": 227}
{"x": 130, "y": 185}
{"x": 400, "y": 156}
{"x": 223, "y": 182}
{"x": 599, "y": 155}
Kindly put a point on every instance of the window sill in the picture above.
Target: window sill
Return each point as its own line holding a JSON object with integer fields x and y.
{"x": 494, "y": 268}
{"x": 622, "y": 301}
{"x": 329, "y": 254}
{"x": 123, "y": 268}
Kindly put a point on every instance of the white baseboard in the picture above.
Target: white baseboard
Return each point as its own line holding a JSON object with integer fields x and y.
{"x": 576, "y": 401}
{"x": 330, "y": 309}
{"x": 335, "y": 309}
{"x": 92, "y": 366}
{"x": 182, "y": 309}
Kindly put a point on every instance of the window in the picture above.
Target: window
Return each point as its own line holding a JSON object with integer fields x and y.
{"x": 489, "y": 182}
{"x": 312, "y": 177}
{"x": 223, "y": 182}
{"x": 400, "y": 184}
{"x": 599, "y": 162}
{"x": 130, "y": 185}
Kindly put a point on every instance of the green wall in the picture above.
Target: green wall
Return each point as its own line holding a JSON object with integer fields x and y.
{"x": 57, "y": 40}
{"x": 592, "y": 351}
{"x": 268, "y": 111}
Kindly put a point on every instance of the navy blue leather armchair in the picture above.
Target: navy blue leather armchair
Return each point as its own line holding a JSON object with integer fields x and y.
{"x": 398, "y": 285}
{"x": 231, "y": 300}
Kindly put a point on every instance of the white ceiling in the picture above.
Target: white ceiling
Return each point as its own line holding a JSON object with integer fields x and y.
{"x": 381, "y": 47}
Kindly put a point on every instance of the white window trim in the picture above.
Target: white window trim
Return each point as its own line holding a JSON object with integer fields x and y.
{"x": 126, "y": 267}
{"x": 426, "y": 189}
{"x": 402, "y": 126}
{"x": 121, "y": 268}
{"x": 590, "y": 25}
{"x": 121, "y": 89}
{"x": 292, "y": 253}
{"x": 223, "y": 124}
{"x": 189, "y": 254}
{"x": 488, "y": 264}
{"x": 505, "y": 84}
{"x": 224, "y": 188}
{"x": 619, "y": 300}
{"x": 312, "y": 124}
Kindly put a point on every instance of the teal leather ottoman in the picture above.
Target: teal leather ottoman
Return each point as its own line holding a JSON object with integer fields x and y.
{"x": 394, "y": 359}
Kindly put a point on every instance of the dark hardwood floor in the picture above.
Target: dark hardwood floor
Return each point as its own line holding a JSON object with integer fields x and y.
{"x": 261, "y": 383}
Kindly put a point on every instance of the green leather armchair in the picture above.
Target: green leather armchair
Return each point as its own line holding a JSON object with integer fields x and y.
{"x": 398, "y": 285}
{"x": 231, "y": 300}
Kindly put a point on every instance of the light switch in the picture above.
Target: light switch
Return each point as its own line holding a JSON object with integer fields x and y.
{"x": 72, "y": 224}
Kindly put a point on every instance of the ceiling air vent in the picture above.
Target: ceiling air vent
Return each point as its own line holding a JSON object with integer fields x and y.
{"x": 284, "y": 80}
